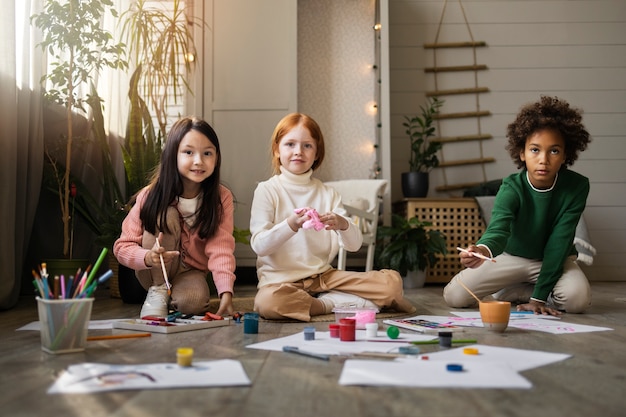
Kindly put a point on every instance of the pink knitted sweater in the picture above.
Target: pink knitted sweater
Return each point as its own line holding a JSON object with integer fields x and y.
{"x": 215, "y": 254}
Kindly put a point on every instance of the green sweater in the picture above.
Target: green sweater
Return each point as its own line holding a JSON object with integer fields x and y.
{"x": 536, "y": 224}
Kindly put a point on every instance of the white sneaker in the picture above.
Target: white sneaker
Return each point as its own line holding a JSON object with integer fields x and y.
{"x": 156, "y": 302}
{"x": 333, "y": 299}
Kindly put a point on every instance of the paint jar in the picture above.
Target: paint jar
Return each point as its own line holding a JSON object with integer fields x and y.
{"x": 309, "y": 333}
{"x": 371, "y": 330}
{"x": 347, "y": 330}
{"x": 184, "y": 356}
{"x": 445, "y": 339}
{"x": 333, "y": 328}
{"x": 251, "y": 323}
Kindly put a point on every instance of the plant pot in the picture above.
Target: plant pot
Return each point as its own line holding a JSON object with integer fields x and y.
{"x": 65, "y": 267}
{"x": 130, "y": 289}
{"x": 415, "y": 184}
{"x": 414, "y": 279}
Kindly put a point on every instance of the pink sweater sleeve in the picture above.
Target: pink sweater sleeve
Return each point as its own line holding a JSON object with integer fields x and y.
{"x": 127, "y": 248}
{"x": 220, "y": 250}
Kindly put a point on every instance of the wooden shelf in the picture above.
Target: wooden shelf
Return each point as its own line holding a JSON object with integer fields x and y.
{"x": 443, "y": 45}
{"x": 456, "y": 68}
{"x": 464, "y": 138}
{"x": 456, "y": 91}
{"x": 442, "y": 116}
{"x": 466, "y": 162}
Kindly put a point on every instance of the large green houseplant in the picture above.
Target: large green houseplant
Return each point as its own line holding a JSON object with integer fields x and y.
{"x": 159, "y": 42}
{"x": 420, "y": 129}
{"x": 79, "y": 47}
{"x": 408, "y": 245}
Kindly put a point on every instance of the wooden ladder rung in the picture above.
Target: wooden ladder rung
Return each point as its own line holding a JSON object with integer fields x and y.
{"x": 453, "y": 187}
{"x": 455, "y": 45}
{"x": 461, "y": 115}
{"x": 463, "y": 138}
{"x": 457, "y": 91}
{"x": 455, "y": 68}
{"x": 466, "y": 162}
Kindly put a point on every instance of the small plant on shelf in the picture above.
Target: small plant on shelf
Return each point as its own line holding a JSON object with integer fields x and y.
{"x": 420, "y": 129}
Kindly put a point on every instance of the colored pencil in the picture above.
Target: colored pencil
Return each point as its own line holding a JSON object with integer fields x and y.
{"x": 119, "y": 336}
{"x": 95, "y": 268}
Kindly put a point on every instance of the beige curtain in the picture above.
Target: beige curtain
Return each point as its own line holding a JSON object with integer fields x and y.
{"x": 21, "y": 142}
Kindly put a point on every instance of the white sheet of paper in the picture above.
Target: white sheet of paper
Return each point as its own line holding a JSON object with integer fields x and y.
{"x": 555, "y": 326}
{"x": 517, "y": 359}
{"x": 97, "y": 377}
{"x": 93, "y": 325}
{"x": 323, "y": 343}
{"x": 548, "y": 324}
{"x": 431, "y": 374}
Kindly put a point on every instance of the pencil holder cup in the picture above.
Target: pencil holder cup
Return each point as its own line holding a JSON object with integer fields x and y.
{"x": 495, "y": 315}
{"x": 64, "y": 324}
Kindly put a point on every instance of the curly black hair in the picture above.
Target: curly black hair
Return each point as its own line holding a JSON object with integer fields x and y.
{"x": 549, "y": 113}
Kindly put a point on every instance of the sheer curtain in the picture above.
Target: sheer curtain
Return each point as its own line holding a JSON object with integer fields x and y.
{"x": 22, "y": 135}
{"x": 21, "y": 142}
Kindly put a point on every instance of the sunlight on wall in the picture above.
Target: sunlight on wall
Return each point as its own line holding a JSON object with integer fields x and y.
{"x": 337, "y": 82}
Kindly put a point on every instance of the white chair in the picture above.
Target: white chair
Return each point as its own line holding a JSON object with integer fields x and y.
{"x": 361, "y": 199}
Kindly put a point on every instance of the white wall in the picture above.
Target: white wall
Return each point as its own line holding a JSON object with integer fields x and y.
{"x": 573, "y": 49}
{"x": 249, "y": 82}
{"x": 336, "y": 82}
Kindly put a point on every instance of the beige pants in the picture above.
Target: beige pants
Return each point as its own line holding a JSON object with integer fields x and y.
{"x": 190, "y": 289}
{"x": 513, "y": 279}
{"x": 293, "y": 300}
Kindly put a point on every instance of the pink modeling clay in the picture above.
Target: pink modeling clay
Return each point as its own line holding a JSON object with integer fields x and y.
{"x": 314, "y": 220}
{"x": 364, "y": 317}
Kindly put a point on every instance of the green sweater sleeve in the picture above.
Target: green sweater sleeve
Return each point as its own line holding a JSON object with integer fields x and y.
{"x": 537, "y": 224}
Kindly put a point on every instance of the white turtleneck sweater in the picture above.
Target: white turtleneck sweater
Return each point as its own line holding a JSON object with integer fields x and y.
{"x": 287, "y": 256}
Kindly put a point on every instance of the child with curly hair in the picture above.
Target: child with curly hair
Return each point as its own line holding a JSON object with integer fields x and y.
{"x": 534, "y": 219}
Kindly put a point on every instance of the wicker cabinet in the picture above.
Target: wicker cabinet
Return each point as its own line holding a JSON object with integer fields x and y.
{"x": 458, "y": 218}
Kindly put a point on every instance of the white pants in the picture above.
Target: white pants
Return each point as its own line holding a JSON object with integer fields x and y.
{"x": 513, "y": 278}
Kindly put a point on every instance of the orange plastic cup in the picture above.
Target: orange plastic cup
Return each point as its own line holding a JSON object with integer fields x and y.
{"x": 495, "y": 315}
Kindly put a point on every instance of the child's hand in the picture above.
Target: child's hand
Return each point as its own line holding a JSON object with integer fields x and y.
{"x": 470, "y": 261}
{"x": 153, "y": 257}
{"x": 333, "y": 221}
{"x": 298, "y": 218}
{"x": 538, "y": 308}
{"x": 226, "y": 305}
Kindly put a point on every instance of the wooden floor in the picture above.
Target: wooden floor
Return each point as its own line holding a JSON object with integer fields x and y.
{"x": 591, "y": 383}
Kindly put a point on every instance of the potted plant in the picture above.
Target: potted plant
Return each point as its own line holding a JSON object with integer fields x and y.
{"x": 423, "y": 158}
{"x": 79, "y": 47}
{"x": 408, "y": 246}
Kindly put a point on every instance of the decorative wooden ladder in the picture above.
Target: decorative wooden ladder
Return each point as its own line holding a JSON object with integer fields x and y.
{"x": 476, "y": 90}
